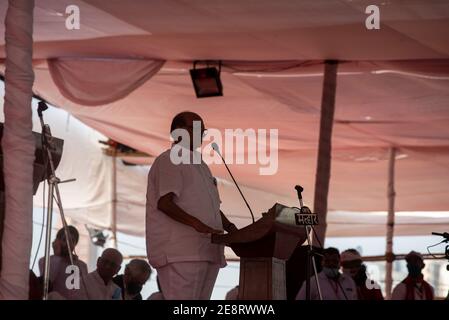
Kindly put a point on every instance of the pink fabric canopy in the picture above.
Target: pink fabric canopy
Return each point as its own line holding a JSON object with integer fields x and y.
{"x": 382, "y": 104}
{"x": 243, "y": 30}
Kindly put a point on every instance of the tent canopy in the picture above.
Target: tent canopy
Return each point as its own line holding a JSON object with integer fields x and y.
{"x": 243, "y": 30}
{"x": 392, "y": 90}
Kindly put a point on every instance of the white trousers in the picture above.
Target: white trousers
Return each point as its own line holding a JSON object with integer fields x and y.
{"x": 188, "y": 280}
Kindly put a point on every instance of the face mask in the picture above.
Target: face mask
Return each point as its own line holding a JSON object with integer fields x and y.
{"x": 332, "y": 273}
{"x": 414, "y": 270}
{"x": 133, "y": 288}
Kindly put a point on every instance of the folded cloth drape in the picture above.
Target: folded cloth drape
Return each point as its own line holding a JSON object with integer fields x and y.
{"x": 99, "y": 81}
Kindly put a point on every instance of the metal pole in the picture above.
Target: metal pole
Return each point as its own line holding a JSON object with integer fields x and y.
{"x": 310, "y": 257}
{"x": 390, "y": 224}
{"x": 64, "y": 221}
{"x": 325, "y": 147}
{"x": 48, "y": 239}
{"x": 114, "y": 200}
{"x": 308, "y": 296}
{"x": 53, "y": 189}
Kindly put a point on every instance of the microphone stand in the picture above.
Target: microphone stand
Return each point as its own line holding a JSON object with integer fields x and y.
{"x": 445, "y": 235}
{"x": 53, "y": 182}
{"x": 310, "y": 255}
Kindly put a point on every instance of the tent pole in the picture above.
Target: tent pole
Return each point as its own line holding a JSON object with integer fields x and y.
{"x": 18, "y": 151}
{"x": 114, "y": 200}
{"x": 390, "y": 224}
{"x": 325, "y": 147}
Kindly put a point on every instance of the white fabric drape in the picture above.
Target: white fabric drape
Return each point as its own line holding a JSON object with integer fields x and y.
{"x": 98, "y": 81}
{"x": 18, "y": 151}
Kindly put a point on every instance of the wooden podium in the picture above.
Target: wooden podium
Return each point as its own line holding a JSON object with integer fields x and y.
{"x": 263, "y": 248}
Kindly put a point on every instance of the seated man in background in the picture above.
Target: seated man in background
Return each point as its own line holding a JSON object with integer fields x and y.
{"x": 98, "y": 285}
{"x": 60, "y": 260}
{"x": 414, "y": 287}
{"x": 352, "y": 265}
{"x": 333, "y": 284}
{"x": 233, "y": 294}
{"x": 137, "y": 272}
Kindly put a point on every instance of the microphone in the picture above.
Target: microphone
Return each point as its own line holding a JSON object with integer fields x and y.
{"x": 41, "y": 107}
{"x": 299, "y": 191}
{"x": 444, "y": 235}
{"x": 217, "y": 150}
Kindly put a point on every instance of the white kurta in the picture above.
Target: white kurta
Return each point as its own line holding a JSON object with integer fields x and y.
{"x": 195, "y": 190}
{"x": 330, "y": 289}
{"x": 58, "y": 275}
{"x": 94, "y": 288}
{"x": 400, "y": 292}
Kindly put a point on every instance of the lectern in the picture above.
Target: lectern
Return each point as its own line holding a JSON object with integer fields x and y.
{"x": 263, "y": 248}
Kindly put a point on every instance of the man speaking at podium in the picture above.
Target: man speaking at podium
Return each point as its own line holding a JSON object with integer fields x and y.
{"x": 182, "y": 211}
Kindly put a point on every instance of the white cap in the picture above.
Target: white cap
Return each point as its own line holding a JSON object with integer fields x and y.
{"x": 414, "y": 253}
{"x": 350, "y": 255}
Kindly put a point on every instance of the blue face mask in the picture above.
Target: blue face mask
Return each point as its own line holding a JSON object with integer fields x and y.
{"x": 414, "y": 270}
{"x": 332, "y": 273}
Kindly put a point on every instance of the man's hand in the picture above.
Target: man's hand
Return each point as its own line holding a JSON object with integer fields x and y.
{"x": 232, "y": 228}
{"x": 227, "y": 225}
{"x": 203, "y": 228}
{"x": 171, "y": 209}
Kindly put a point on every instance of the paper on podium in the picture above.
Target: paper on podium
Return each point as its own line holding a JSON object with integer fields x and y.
{"x": 286, "y": 215}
